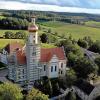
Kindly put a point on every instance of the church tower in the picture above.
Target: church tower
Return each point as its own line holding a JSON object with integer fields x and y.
{"x": 33, "y": 53}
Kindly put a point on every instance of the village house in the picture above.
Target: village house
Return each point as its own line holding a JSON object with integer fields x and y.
{"x": 31, "y": 62}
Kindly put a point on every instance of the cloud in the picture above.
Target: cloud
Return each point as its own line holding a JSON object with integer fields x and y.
{"x": 93, "y": 4}
{"x": 15, "y": 5}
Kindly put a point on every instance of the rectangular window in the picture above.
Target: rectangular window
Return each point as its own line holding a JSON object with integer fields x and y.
{"x": 55, "y": 68}
{"x": 34, "y": 54}
{"x": 44, "y": 67}
{"x": 61, "y": 72}
{"x": 51, "y": 68}
{"x": 23, "y": 71}
{"x": 61, "y": 65}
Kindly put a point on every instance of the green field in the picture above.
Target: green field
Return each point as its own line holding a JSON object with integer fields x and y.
{"x": 93, "y": 24}
{"x": 65, "y": 29}
{"x": 77, "y": 31}
{"x": 2, "y": 17}
{"x": 4, "y": 42}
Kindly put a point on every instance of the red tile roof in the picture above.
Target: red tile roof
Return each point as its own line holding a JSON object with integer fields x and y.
{"x": 21, "y": 58}
{"x": 13, "y": 46}
{"x": 46, "y": 55}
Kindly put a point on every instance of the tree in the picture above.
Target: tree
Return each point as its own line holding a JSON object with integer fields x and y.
{"x": 35, "y": 94}
{"x": 89, "y": 40}
{"x": 8, "y": 35}
{"x": 44, "y": 38}
{"x": 95, "y": 47}
{"x": 97, "y": 61}
{"x": 20, "y": 35}
{"x": 84, "y": 67}
{"x": 82, "y": 43}
{"x": 9, "y": 91}
{"x": 71, "y": 96}
{"x": 48, "y": 87}
{"x": 72, "y": 58}
{"x": 70, "y": 77}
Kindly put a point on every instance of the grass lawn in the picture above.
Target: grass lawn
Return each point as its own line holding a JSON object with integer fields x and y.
{"x": 44, "y": 45}
{"x": 4, "y": 42}
{"x": 1, "y": 17}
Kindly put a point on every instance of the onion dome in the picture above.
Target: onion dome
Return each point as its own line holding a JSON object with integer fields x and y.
{"x": 32, "y": 26}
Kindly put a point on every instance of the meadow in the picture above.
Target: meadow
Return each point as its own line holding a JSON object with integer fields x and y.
{"x": 93, "y": 24}
{"x": 4, "y": 42}
{"x": 61, "y": 28}
{"x": 77, "y": 31}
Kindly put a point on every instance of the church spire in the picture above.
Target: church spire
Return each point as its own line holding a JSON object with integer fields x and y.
{"x": 33, "y": 20}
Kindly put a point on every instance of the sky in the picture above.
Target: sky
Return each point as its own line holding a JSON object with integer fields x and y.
{"x": 78, "y": 6}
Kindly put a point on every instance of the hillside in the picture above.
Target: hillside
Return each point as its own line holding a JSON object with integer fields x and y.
{"x": 77, "y": 31}
{"x": 63, "y": 24}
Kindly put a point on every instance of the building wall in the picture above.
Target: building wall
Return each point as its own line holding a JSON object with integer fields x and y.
{"x": 44, "y": 69}
{"x": 53, "y": 67}
{"x": 3, "y": 58}
{"x": 62, "y": 68}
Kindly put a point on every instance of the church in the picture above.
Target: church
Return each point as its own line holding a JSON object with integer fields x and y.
{"x": 32, "y": 62}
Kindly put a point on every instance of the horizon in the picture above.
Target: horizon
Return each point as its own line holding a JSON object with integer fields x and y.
{"x": 72, "y": 6}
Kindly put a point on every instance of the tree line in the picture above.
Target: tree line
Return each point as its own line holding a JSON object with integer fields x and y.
{"x": 13, "y": 23}
{"x": 17, "y": 35}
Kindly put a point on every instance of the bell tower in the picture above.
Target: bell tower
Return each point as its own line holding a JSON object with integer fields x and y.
{"x": 33, "y": 34}
{"x": 33, "y": 52}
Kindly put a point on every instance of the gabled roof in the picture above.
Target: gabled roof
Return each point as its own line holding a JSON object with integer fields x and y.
{"x": 47, "y": 54}
{"x": 13, "y": 46}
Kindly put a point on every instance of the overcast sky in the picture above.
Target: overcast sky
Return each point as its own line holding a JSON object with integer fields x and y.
{"x": 85, "y": 6}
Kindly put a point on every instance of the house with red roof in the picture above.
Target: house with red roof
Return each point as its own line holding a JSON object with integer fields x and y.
{"x": 31, "y": 62}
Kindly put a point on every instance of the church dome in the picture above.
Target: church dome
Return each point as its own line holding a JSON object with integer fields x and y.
{"x": 32, "y": 26}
